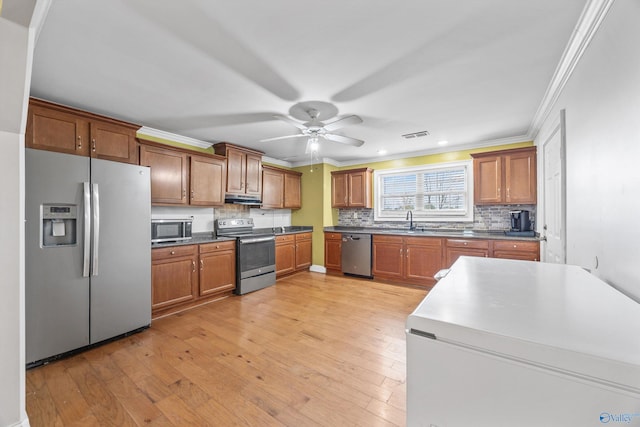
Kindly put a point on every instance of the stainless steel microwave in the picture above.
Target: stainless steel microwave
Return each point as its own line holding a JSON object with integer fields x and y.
{"x": 170, "y": 230}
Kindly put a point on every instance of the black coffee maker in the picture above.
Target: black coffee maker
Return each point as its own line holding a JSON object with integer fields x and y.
{"x": 520, "y": 220}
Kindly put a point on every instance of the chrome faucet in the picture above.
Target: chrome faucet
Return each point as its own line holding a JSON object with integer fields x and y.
{"x": 410, "y": 219}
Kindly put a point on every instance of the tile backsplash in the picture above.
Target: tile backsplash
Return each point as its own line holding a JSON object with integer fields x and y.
{"x": 485, "y": 218}
{"x": 203, "y": 218}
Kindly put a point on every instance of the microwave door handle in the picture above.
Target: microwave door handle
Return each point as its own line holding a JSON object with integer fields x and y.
{"x": 96, "y": 229}
{"x": 87, "y": 229}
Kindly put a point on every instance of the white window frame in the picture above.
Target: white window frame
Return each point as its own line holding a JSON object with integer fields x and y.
{"x": 420, "y": 215}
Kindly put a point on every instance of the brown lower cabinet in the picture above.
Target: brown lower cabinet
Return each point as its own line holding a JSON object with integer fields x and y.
{"x": 293, "y": 253}
{"x": 415, "y": 260}
{"x": 333, "y": 252}
{"x": 408, "y": 259}
{"x": 182, "y": 276}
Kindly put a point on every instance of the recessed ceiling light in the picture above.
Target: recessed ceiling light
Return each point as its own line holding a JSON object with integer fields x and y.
{"x": 382, "y": 152}
{"x": 443, "y": 142}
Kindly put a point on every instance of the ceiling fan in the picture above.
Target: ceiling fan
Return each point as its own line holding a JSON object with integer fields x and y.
{"x": 307, "y": 118}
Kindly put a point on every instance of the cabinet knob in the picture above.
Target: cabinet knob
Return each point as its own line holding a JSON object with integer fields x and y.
{"x": 465, "y": 243}
{"x": 173, "y": 252}
{"x": 515, "y": 246}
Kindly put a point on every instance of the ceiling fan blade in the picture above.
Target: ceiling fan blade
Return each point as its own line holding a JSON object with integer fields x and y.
{"x": 343, "y": 139}
{"x": 349, "y": 120}
{"x": 291, "y": 121}
{"x": 283, "y": 137}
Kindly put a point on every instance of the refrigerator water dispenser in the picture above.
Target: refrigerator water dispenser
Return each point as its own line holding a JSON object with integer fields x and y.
{"x": 59, "y": 225}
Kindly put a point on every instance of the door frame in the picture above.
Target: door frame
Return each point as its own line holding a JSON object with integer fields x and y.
{"x": 559, "y": 126}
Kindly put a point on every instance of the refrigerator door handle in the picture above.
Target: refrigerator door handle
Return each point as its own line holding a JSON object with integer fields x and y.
{"x": 96, "y": 229}
{"x": 87, "y": 229}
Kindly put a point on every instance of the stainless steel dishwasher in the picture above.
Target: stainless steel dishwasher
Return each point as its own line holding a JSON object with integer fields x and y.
{"x": 356, "y": 254}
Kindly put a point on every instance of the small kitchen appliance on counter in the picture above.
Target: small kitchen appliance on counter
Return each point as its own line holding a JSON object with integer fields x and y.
{"x": 255, "y": 254}
{"x": 520, "y": 224}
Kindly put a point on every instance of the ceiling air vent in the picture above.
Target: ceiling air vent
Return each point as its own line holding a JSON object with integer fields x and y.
{"x": 415, "y": 134}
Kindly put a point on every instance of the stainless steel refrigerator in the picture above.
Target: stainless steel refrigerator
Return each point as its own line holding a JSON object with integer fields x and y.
{"x": 87, "y": 252}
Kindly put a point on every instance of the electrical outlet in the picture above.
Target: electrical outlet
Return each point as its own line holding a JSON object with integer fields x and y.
{"x": 355, "y": 215}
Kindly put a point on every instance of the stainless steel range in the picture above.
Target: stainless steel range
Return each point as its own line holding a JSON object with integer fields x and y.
{"x": 255, "y": 254}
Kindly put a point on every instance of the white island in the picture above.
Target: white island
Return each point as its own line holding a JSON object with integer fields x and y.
{"x": 518, "y": 343}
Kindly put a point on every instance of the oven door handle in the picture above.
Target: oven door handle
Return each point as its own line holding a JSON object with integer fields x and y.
{"x": 250, "y": 240}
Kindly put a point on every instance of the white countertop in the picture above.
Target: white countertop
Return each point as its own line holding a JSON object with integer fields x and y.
{"x": 553, "y": 315}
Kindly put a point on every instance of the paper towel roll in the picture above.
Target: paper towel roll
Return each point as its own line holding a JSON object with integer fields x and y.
{"x": 57, "y": 229}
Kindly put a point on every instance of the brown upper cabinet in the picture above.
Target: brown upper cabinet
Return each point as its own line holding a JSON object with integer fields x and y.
{"x": 63, "y": 129}
{"x": 244, "y": 169}
{"x": 181, "y": 178}
{"x": 280, "y": 188}
{"x": 505, "y": 177}
{"x": 352, "y": 188}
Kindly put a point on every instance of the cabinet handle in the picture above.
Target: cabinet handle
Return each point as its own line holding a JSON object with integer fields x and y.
{"x": 508, "y": 193}
{"x": 201, "y": 264}
{"x": 194, "y": 266}
{"x": 498, "y": 192}
{"x": 407, "y": 252}
{"x": 184, "y": 193}
{"x": 193, "y": 195}
{"x": 93, "y": 145}
{"x": 465, "y": 243}
{"x": 79, "y": 142}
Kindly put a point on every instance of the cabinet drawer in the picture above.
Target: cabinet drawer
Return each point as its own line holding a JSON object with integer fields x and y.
{"x": 515, "y": 245}
{"x": 174, "y": 252}
{"x": 285, "y": 238}
{"x": 424, "y": 241}
{"x": 217, "y": 246}
{"x": 377, "y": 238}
{"x": 303, "y": 236}
{"x": 468, "y": 243}
{"x": 333, "y": 236}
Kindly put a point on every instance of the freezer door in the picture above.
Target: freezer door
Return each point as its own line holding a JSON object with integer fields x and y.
{"x": 121, "y": 249}
{"x": 56, "y": 294}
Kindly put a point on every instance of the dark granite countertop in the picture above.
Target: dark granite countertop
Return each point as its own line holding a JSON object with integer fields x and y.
{"x": 209, "y": 237}
{"x": 430, "y": 232}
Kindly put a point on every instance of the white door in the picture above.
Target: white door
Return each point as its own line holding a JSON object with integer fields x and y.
{"x": 554, "y": 228}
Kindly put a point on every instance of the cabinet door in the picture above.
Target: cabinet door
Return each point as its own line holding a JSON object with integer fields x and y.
{"x": 520, "y": 177}
{"x": 168, "y": 174}
{"x": 358, "y": 189}
{"x": 333, "y": 251}
{"x": 113, "y": 142}
{"x": 217, "y": 268}
{"x": 423, "y": 259}
{"x": 173, "y": 280}
{"x": 303, "y": 251}
{"x": 388, "y": 257}
{"x": 207, "y": 181}
{"x": 339, "y": 192}
{"x": 487, "y": 177}
{"x": 253, "y": 178}
{"x": 272, "y": 188}
{"x": 285, "y": 255}
{"x": 236, "y": 164}
{"x": 53, "y": 130}
{"x": 292, "y": 191}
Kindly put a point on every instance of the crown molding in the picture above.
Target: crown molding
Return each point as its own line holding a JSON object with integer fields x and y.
{"x": 156, "y": 133}
{"x": 590, "y": 20}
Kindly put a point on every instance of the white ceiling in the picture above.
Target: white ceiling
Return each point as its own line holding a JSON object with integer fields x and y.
{"x": 467, "y": 71}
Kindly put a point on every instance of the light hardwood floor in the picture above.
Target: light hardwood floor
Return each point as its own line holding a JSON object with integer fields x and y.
{"x": 314, "y": 350}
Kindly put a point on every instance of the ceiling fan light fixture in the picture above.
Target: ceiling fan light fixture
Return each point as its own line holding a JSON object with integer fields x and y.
{"x": 313, "y": 144}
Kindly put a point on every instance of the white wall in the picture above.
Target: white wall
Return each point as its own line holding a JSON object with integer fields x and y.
{"x": 15, "y": 57}
{"x": 602, "y": 102}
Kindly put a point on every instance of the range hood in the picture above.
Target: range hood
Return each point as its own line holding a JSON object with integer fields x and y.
{"x": 242, "y": 199}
